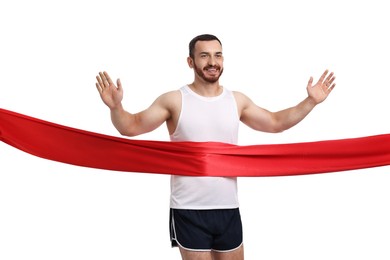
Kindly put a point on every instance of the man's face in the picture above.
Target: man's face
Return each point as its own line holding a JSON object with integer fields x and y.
{"x": 208, "y": 60}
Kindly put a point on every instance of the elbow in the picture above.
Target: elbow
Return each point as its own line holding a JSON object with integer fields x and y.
{"x": 277, "y": 127}
{"x": 269, "y": 129}
{"x": 276, "y": 130}
{"x": 125, "y": 131}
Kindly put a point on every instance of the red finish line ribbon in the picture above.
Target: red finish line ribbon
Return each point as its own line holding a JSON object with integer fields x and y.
{"x": 78, "y": 147}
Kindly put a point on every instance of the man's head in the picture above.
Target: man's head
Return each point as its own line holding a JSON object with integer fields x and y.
{"x": 205, "y": 57}
{"x": 202, "y": 37}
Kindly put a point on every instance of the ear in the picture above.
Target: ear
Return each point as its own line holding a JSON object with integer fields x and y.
{"x": 190, "y": 62}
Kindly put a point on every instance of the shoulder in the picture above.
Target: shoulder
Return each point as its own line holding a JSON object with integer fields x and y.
{"x": 169, "y": 100}
{"x": 170, "y": 96}
{"x": 241, "y": 99}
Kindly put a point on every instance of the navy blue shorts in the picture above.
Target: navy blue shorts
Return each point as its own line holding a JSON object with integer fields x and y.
{"x": 205, "y": 230}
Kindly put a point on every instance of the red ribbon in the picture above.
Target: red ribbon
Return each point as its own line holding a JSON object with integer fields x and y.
{"x": 78, "y": 147}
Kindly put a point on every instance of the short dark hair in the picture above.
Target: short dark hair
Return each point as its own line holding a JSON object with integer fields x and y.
{"x": 202, "y": 37}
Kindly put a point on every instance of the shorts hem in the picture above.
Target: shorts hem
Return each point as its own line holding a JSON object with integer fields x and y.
{"x": 228, "y": 250}
{"x": 191, "y": 249}
{"x": 206, "y": 250}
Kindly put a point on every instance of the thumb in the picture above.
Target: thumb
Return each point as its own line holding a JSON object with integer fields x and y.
{"x": 309, "y": 84}
{"x": 119, "y": 84}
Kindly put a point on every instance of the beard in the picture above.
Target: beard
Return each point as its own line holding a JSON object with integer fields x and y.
{"x": 210, "y": 79}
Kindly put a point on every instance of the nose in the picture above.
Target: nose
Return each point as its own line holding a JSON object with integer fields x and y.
{"x": 212, "y": 61}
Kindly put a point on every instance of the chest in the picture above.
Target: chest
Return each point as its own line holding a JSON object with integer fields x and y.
{"x": 208, "y": 120}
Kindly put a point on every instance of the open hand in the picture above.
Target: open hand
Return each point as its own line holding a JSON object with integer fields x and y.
{"x": 111, "y": 95}
{"x": 320, "y": 91}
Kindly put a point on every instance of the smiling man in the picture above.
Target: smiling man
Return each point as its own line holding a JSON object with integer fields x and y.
{"x": 205, "y": 220}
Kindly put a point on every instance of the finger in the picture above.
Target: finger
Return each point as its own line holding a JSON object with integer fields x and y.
{"x": 330, "y": 82}
{"x": 103, "y": 80}
{"x": 108, "y": 78}
{"x": 99, "y": 88}
{"x": 332, "y": 87}
{"x": 310, "y": 83}
{"x": 323, "y": 76}
{"x": 119, "y": 84}
{"x": 100, "y": 82}
{"x": 329, "y": 77}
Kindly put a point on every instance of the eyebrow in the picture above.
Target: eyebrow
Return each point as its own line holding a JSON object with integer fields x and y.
{"x": 205, "y": 52}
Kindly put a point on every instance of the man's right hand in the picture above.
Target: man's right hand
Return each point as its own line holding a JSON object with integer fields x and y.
{"x": 111, "y": 95}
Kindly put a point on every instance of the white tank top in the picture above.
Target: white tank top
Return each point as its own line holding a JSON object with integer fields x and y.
{"x": 204, "y": 119}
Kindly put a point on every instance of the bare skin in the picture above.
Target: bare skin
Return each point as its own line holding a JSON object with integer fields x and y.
{"x": 207, "y": 64}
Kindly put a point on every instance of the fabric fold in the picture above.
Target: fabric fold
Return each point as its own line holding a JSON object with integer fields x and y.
{"x": 88, "y": 149}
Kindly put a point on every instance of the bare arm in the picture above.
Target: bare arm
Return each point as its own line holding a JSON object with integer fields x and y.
{"x": 264, "y": 120}
{"x": 127, "y": 123}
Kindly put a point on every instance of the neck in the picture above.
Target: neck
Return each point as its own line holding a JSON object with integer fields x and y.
{"x": 206, "y": 89}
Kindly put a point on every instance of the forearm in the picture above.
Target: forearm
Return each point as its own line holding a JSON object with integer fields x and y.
{"x": 289, "y": 117}
{"x": 122, "y": 120}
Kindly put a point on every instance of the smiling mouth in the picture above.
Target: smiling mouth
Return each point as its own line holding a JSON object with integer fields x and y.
{"x": 212, "y": 70}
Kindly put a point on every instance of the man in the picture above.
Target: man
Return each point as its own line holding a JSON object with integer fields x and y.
{"x": 205, "y": 220}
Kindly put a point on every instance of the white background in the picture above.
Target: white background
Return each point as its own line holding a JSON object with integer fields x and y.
{"x": 51, "y": 52}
